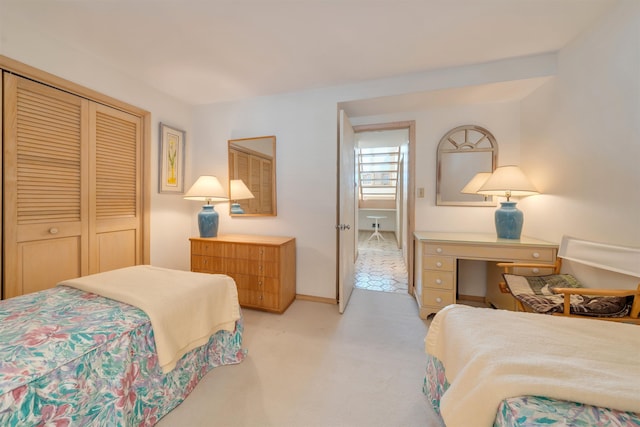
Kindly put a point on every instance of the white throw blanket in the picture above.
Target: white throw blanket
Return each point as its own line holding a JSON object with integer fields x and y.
{"x": 490, "y": 355}
{"x": 185, "y": 308}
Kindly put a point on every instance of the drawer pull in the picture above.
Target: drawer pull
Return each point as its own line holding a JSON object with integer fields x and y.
{"x": 53, "y": 230}
{"x": 536, "y": 255}
{"x": 438, "y": 264}
{"x": 439, "y": 250}
{"x": 438, "y": 300}
{"x": 535, "y": 270}
{"x": 439, "y": 281}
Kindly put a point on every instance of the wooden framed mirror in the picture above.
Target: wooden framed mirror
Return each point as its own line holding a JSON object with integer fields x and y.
{"x": 252, "y": 176}
{"x": 463, "y": 152}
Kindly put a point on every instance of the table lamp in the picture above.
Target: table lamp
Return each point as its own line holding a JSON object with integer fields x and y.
{"x": 508, "y": 181}
{"x": 238, "y": 191}
{"x": 207, "y": 188}
{"x": 476, "y": 182}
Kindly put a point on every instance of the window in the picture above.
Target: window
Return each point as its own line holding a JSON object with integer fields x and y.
{"x": 378, "y": 173}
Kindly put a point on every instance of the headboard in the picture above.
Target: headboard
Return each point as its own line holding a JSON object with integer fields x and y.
{"x": 620, "y": 259}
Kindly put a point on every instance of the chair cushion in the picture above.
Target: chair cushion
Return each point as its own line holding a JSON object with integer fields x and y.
{"x": 536, "y": 292}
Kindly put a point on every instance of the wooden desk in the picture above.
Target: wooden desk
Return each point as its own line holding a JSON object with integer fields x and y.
{"x": 437, "y": 255}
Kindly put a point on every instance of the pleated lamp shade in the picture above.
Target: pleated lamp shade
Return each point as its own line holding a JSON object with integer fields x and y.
{"x": 508, "y": 181}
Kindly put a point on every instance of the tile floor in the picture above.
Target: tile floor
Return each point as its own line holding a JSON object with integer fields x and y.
{"x": 380, "y": 266}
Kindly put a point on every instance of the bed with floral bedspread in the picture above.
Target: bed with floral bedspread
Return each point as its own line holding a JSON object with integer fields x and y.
{"x": 532, "y": 411}
{"x": 73, "y": 358}
{"x": 499, "y": 368}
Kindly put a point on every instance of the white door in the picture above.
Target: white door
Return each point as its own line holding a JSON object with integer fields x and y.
{"x": 346, "y": 231}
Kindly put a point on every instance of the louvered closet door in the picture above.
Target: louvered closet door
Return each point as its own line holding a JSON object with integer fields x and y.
{"x": 45, "y": 182}
{"x": 115, "y": 197}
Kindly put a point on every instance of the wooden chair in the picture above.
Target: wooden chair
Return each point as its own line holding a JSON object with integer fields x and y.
{"x": 618, "y": 259}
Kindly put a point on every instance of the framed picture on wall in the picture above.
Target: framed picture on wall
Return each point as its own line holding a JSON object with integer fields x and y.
{"x": 171, "y": 168}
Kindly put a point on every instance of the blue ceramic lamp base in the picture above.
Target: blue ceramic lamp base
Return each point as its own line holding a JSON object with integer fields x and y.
{"x": 236, "y": 208}
{"x": 208, "y": 221}
{"x": 509, "y": 220}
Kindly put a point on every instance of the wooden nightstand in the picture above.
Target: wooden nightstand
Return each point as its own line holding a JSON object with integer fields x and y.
{"x": 263, "y": 267}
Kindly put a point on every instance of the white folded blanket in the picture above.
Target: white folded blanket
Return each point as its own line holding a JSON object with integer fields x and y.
{"x": 490, "y": 355}
{"x": 185, "y": 308}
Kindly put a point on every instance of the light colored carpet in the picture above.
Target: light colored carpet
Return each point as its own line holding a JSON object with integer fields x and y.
{"x": 313, "y": 367}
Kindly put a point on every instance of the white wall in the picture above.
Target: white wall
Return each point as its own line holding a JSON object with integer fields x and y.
{"x": 581, "y": 137}
{"x": 389, "y": 223}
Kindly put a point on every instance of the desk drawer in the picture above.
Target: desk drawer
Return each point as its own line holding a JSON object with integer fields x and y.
{"x": 526, "y": 271}
{"x": 443, "y": 263}
{"x": 437, "y": 298}
{"x": 487, "y": 252}
{"x": 438, "y": 279}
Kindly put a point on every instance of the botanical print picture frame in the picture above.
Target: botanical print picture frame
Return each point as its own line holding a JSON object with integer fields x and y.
{"x": 171, "y": 168}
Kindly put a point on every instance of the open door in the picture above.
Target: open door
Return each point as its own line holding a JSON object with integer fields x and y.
{"x": 346, "y": 230}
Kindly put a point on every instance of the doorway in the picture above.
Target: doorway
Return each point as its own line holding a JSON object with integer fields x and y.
{"x": 384, "y": 217}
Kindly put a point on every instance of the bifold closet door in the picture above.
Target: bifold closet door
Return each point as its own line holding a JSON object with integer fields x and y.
{"x": 45, "y": 186}
{"x": 115, "y": 219}
{"x": 72, "y": 195}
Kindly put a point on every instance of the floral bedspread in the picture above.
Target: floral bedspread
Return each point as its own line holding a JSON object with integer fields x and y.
{"x": 71, "y": 358}
{"x": 532, "y": 411}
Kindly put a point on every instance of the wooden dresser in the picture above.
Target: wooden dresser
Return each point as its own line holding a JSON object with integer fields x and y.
{"x": 437, "y": 255}
{"x": 263, "y": 267}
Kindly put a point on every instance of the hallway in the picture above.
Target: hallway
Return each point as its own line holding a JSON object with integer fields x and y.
{"x": 380, "y": 266}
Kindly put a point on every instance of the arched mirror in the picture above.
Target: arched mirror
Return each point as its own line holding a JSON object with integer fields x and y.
{"x": 463, "y": 153}
{"x": 252, "y": 176}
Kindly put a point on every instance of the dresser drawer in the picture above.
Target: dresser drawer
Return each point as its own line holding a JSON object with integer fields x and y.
{"x": 254, "y": 268}
{"x": 246, "y": 282}
{"x": 437, "y": 298}
{"x": 252, "y": 252}
{"x": 443, "y": 263}
{"x": 209, "y": 248}
{"x": 207, "y": 264}
{"x": 258, "y": 299}
{"x": 488, "y": 252}
{"x": 438, "y": 279}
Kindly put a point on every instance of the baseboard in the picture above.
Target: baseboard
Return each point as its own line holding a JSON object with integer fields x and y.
{"x": 316, "y": 299}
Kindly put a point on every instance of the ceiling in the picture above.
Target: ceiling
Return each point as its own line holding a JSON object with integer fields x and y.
{"x": 206, "y": 51}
